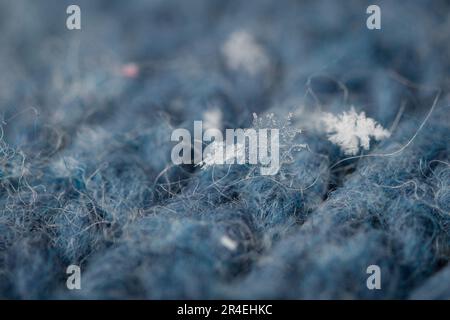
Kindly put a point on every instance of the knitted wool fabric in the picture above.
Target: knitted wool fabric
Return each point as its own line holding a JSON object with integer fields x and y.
{"x": 86, "y": 176}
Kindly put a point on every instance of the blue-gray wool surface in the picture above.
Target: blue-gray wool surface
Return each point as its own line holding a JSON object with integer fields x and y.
{"x": 86, "y": 175}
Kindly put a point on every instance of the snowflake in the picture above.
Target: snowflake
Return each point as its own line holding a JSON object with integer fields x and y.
{"x": 352, "y": 131}
{"x": 216, "y": 154}
{"x": 241, "y": 51}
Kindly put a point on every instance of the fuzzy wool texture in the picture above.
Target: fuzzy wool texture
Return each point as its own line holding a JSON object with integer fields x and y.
{"x": 86, "y": 176}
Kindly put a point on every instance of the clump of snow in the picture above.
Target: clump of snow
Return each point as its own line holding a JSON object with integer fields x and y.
{"x": 212, "y": 119}
{"x": 241, "y": 51}
{"x": 228, "y": 243}
{"x": 220, "y": 153}
{"x": 352, "y": 131}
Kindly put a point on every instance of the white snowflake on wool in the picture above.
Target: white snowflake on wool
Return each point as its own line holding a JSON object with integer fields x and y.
{"x": 219, "y": 153}
{"x": 352, "y": 131}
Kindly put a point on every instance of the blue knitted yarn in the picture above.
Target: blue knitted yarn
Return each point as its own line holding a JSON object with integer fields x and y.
{"x": 86, "y": 175}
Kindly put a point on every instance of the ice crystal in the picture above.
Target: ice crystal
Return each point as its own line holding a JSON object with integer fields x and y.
{"x": 352, "y": 131}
